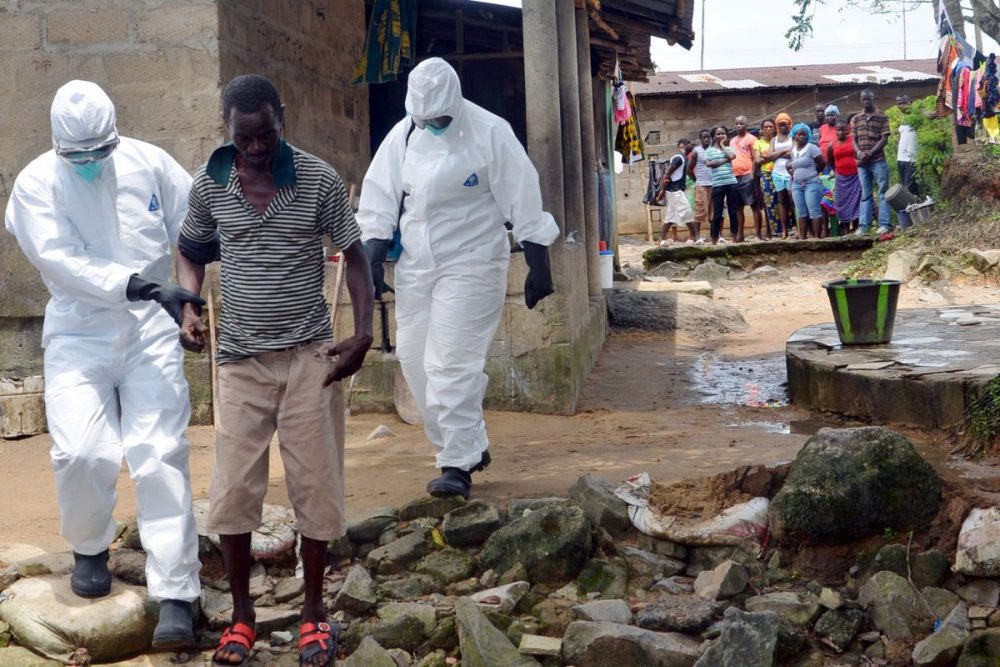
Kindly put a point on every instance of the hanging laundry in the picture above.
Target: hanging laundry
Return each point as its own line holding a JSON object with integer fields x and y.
{"x": 657, "y": 168}
{"x": 620, "y": 97}
{"x": 628, "y": 142}
{"x": 390, "y": 43}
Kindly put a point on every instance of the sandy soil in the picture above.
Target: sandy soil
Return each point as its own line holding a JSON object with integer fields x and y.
{"x": 649, "y": 405}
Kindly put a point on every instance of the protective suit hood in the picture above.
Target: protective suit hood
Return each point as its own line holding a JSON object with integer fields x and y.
{"x": 82, "y": 116}
{"x": 434, "y": 90}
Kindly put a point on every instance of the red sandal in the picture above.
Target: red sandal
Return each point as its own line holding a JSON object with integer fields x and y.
{"x": 316, "y": 639}
{"x": 238, "y": 638}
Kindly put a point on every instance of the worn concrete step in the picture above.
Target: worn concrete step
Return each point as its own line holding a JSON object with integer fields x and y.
{"x": 686, "y": 287}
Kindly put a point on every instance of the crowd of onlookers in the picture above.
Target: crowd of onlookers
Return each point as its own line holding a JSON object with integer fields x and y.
{"x": 816, "y": 179}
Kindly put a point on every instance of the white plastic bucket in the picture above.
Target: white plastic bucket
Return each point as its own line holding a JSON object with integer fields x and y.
{"x": 607, "y": 269}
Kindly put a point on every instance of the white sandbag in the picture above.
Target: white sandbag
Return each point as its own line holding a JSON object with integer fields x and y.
{"x": 743, "y": 525}
{"x": 978, "y": 552}
{"x": 274, "y": 539}
{"x": 47, "y": 617}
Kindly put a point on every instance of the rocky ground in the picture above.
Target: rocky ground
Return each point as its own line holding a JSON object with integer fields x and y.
{"x": 697, "y": 393}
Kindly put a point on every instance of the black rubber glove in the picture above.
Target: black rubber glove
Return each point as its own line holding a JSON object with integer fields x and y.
{"x": 172, "y": 297}
{"x": 538, "y": 284}
{"x": 377, "y": 250}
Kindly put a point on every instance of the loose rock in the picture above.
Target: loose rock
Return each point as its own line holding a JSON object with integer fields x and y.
{"x": 589, "y": 644}
{"x": 482, "y": 645}
{"x": 552, "y": 543}
{"x": 846, "y": 484}
{"x": 895, "y": 607}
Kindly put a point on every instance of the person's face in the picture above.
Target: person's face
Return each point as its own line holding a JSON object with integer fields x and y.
{"x": 783, "y": 126}
{"x": 741, "y": 124}
{"x": 682, "y": 146}
{"x": 255, "y": 135}
{"x": 767, "y": 130}
{"x": 831, "y": 119}
{"x": 720, "y": 135}
{"x": 820, "y": 113}
{"x": 800, "y": 138}
{"x": 867, "y": 101}
{"x": 705, "y": 138}
{"x": 903, "y": 102}
{"x": 842, "y": 131}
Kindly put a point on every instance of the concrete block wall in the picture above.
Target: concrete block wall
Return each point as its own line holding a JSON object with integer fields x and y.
{"x": 680, "y": 117}
{"x": 309, "y": 49}
{"x": 157, "y": 59}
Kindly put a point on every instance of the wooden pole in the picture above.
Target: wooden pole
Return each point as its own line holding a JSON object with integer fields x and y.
{"x": 338, "y": 283}
{"x": 211, "y": 356}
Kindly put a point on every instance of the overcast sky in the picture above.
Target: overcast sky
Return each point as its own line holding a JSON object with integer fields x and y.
{"x": 740, "y": 34}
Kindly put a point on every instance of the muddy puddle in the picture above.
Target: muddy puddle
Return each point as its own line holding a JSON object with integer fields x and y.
{"x": 755, "y": 382}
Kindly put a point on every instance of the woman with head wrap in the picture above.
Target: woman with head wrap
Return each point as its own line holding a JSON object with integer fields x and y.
{"x": 828, "y": 130}
{"x": 765, "y": 183}
{"x": 781, "y": 147}
{"x": 805, "y": 164}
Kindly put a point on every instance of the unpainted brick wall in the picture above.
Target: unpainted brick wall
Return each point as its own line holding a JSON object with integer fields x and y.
{"x": 309, "y": 49}
{"x": 157, "y": 59}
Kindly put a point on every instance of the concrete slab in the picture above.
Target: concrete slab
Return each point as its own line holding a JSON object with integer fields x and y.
{"x": 686, "y": 287}
{"x": 925, "y": 377}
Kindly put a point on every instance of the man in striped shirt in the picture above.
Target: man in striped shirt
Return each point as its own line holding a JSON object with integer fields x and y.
{"x": 270, "y": 205}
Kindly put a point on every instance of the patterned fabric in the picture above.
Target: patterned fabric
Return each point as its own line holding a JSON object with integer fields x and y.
{"x": 770, "y": 199}
{"x": 628, "y": 142}
{"x": 389, "y": 44}
{"x": 702, "y": 172}
{"x": 868, "y": 128}
{"x": 847, "y": 197}
{"x": 723, "y": 174}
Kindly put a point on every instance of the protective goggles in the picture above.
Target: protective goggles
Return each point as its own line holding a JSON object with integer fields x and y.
{"x": 438, "y": 123}
{"x": 89, "y": 155}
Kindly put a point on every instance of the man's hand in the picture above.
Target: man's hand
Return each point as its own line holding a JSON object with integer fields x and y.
{"x": 350, "y": 355}
{"x": 863, "y": 157}
{"x": 193, "y": 333}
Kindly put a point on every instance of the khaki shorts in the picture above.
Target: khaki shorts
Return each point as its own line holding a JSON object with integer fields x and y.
{"x": 703, "y": 203}
{"x": 279, "y": 391}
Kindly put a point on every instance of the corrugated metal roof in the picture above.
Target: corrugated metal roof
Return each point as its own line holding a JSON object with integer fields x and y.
{"x": 802, "y": 76}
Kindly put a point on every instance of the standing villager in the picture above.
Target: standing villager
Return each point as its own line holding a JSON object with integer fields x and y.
{"x": 781, "y": 148}
{"x": 97, "y": 217}
{"x": 743, "y": 169}
{"x": 673, "y": 189}
{"x": 265, "y": 207}
{"x": 805, "y": 165}
{"x": 765, "y": 168}
{"x": 702, "y": 175}
{"x": 906, "y": 155}
{"x": 870, "y": 129}
{"x": 847, "y": 193}
{"x": 720, "y": 157}
{"x": 449, "y": 176}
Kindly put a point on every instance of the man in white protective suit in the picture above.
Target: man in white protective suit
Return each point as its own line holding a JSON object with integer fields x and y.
{"x": 97, "y": 217}
{"x": 450, "y": 175}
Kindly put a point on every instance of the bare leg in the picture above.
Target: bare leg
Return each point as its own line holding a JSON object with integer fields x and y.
{"x": 236, "y": 555}
{"x": 803, "y": 228}
{"x": 757, "y": 222}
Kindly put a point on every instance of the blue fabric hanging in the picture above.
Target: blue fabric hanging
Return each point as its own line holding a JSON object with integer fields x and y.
{"x": 390, "y": 43}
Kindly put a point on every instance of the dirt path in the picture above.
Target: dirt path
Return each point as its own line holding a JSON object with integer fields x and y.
{"x": 676, "y": 408}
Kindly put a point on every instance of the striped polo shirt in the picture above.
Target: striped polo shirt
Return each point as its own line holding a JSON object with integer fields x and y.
{"x": 272, "y": 265}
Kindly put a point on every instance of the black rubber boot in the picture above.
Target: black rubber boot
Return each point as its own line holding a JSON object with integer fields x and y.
{"x": 175, "y": 628}
{"x": 452, "y": 482}
{"x": 91, "y": 577}
{"x": 455, "y": 481}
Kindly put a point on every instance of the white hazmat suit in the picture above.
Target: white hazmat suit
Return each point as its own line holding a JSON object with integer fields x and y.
{"x": 114, "y": 369}
{"x": 451, "y": 280}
